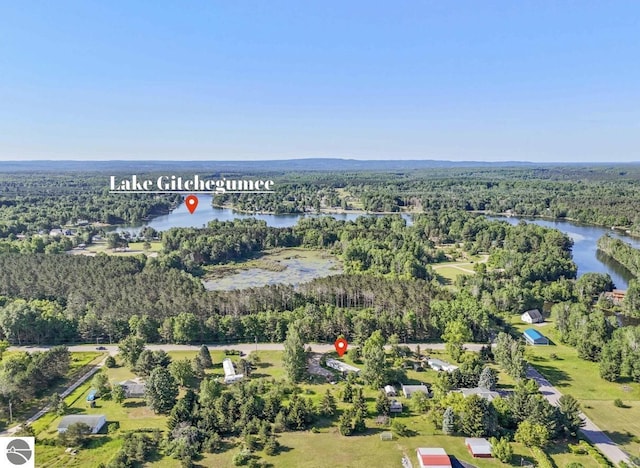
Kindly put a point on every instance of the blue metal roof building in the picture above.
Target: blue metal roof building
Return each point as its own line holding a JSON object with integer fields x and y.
{"x": 534, "y": 337}
{"x": 92, "y": 395}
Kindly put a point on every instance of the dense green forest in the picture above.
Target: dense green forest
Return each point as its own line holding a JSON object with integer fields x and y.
{"x": 602, "y": 195}
{"x": 32, "y": 202}
{"x": 59, "y": 298}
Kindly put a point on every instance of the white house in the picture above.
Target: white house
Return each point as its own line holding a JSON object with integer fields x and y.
{"x": 532, "y": 316}
{"x": 341, "y": 366}
{"x": 439, "y": 365}
{"x": 230, "y": 375}
{"x": 94, "y": 421}
{"x": 409, "y": 390}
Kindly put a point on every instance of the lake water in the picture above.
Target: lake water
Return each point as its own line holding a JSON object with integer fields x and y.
{"x": 180, "y": 217}
{"x": 585, "y": 238}
{"x": 585, "y": 249}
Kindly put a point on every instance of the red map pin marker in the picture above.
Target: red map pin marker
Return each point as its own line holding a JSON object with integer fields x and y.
{"x": 192, "y": 203}
{"x": 341, "y": 346}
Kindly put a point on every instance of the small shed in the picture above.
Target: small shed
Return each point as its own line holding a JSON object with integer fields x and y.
{"x": 390, "y": 390}
{"x": 433, "y": 458}
{"x": 478, "y": 447}
{"x": 395, "y": 407}
{"x": 532, "y": 316}
{"x": 534, "y": 337}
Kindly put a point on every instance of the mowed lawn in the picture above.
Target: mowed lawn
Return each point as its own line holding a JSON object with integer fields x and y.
{"x": 300, "y": 449}
{"x": 78, "y": 366}
{"x": 327, "y": 447}
{"x": 561, "y": 365}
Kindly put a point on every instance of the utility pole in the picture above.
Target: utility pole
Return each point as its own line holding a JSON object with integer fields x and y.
{"x": 10, "y": 412}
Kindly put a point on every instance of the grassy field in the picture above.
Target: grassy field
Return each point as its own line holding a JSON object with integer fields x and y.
{"x": 327, "y": 447}
{"x": 561, "y": 365}
{"x": 135, "y": 248}
{"x": 78, "y": 365}
{"x": 447, "y": 272}
{"x": 321, "y": 448}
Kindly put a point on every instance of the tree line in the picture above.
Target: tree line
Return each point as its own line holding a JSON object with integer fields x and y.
{"x": 622, "y": 252}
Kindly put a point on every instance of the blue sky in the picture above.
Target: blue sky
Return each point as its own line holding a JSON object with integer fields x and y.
{"x": 483, "y": 80}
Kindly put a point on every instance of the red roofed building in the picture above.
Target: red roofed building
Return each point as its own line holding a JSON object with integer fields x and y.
{"x": 433, "y": 458}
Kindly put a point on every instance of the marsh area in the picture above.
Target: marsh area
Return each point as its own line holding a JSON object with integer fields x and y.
{"x": 279, "y": 266}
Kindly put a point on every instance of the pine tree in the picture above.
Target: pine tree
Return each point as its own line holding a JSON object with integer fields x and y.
{"x": 570, "y": 419}
{"x": 488, "y": 379}
{"x": 328, "y": 404}
{"x": 272, "y": 446}
{"x": 358, "y": 422}
{"x": 344, "y": 423}
{"x": 294, "y": 357}
{"x": 359, "y": 402}
{"x": 161, "y": 390}
{"x": 204, "y": 356}
{"x": 347, "y": 393}
{"x": 448, "y": 421}
{"x": 383, "y": 404}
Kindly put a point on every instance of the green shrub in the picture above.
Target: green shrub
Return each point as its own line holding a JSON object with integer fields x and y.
{"x": 242, "y": 458}
{"x": 542, "y": 458}
{"x": 110, "y": 362}
{"x": 399, "y": 428}
{"x": 618, "y": 403}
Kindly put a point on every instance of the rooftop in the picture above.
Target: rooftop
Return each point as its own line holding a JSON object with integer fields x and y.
{"x": 534, "y": 334}
{"x": 91, "y": 420}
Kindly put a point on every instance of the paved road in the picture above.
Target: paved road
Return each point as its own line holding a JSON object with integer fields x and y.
{"x": 590, "y": 430}
{"x": 244, "y": 347}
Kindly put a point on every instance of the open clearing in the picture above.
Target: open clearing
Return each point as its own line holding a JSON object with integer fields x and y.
{"x": 561, "y": 365}
{"x": 134, "y": 248}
